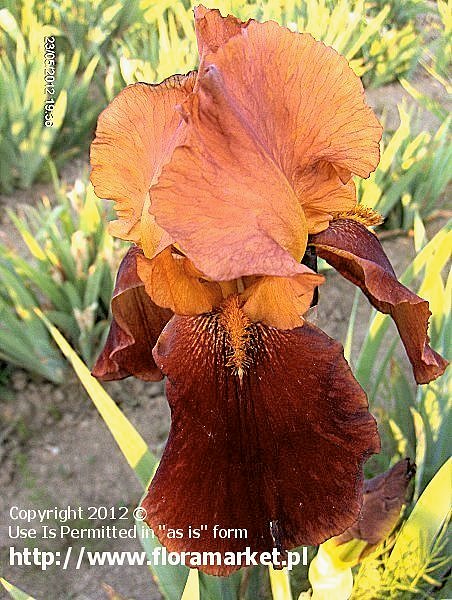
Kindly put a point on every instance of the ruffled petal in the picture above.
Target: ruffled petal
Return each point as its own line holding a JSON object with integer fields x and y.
{"x": 275, "y": 447}
{"x": 322, "y": 193}
{"x": 276, "y": 128}
{"x": 358, "y": 255}
{"x": 172, "y": 281}
{"x": 136, "y": 325}
{"x": 213, "y": 30}
{"x": 226, "y": 203}
{"x": 135, "y": 136}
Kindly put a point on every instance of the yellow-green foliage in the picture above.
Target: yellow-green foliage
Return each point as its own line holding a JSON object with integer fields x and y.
{"x": 26, "y": 145}
{"x": 69, "y": 273}
{"x": 14, "y": 592}
{"x": 164, "y": 42}
{"x": 413, "y": 172}
{"x": 392, "y": 53}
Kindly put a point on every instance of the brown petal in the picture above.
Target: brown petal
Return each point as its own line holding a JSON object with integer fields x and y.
{"x": 358, "y": 255}
{"x": 384, "y": 497}
{"x": 269, "y": 434}
{"x": 137, "y": 323}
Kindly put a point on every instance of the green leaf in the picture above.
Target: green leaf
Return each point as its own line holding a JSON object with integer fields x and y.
{"x": 351, "y": 327}
{"x": 413, "y": 547}
{"x": 373, "y": 27}
{"x": 280, "y": 584}
{"x": 403, "y": 399}
{"x": 191, "y": 589}
{"x": 92, "y": 289}
{"x": 171, "y": 580}
{"x": 14, "y": 592}
{"x": 130, "y": 442}
{"x": 226, "y": 588}
{"x": 426, "y": 101}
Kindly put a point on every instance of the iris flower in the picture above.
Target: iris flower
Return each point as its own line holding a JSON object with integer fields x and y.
{"x": 225, "y": 180}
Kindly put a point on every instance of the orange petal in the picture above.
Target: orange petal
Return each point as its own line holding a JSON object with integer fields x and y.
{"x": 321, "y": 193}
{"x": 280, "y": 301}
{"x": 135, "y": 136}
{"x": 172, "y": 282}
{"x": 225, "y": 201}
{"x": 277, "y": 450}
{"x": 213, "y": 30}
{"x": 268, "y": 68}
{"x": 303, "y": 102}
{"x": 136, "y": 325}
{"x": 358, "y": 255}
{"x": 300, "y": 98}
{"x": 278, "y": 122}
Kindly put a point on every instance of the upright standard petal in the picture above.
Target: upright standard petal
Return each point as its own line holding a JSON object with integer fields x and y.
{"x": 358, "y": 255}
{"x": 273, "y": 420}
{"x": 137, "y": 323}
{"x": 225, "y": 201}
{"x": 135, "y": 136}
{"x": 276, "y": 128}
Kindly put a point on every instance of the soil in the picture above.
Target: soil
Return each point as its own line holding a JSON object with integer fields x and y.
{"x": 56, "y": 451}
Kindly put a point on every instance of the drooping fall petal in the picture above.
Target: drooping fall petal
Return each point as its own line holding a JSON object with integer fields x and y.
{"x": 135, "y": 136}
{"x": 273, "y": 420}
{"x": 172, "y": 281}
{"x": 137, "y": 323}
{"x": 278, "y": 123}
{"x": 358, "y": 255}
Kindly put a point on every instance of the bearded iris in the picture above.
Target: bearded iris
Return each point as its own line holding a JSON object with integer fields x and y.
{"x": 223, "y": 180}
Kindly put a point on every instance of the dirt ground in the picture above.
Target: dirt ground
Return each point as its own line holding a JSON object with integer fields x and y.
{"x": 56, "y": 451}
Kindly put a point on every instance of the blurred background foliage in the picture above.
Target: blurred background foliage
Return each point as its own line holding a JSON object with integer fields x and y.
{"x": 60, "y": 264}
{"x": 68, "y": 270}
